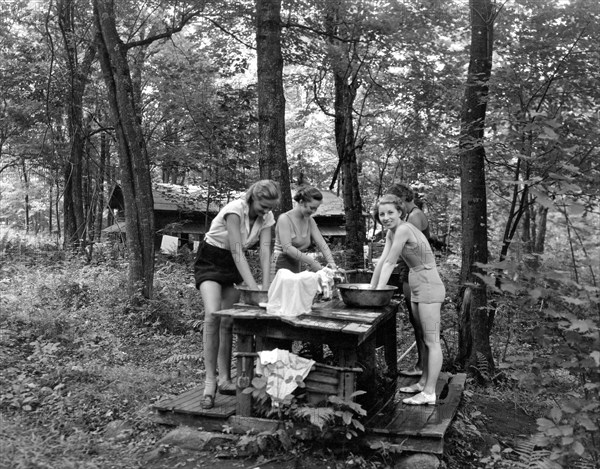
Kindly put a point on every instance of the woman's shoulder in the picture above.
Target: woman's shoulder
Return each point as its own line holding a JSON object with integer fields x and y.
{"x": 284, "y": 217}
{"x": 403, "y": 230}
{"x": 236, "y": 205}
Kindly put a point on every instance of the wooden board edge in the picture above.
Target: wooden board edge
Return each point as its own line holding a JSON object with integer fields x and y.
{"x": 404, "y": 444}
{"x": 243, "y": 425}
{"x": 194, "y": 421}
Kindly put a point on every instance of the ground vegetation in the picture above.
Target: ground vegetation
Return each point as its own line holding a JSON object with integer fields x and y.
{"x": 84, "y": 362}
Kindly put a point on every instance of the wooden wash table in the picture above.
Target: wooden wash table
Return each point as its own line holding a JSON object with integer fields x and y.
{"x": 352, "y": 334}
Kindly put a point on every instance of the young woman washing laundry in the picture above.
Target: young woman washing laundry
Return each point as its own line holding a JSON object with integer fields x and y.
{"x": 221, "y": 262}
{"x": 427, "y": 290}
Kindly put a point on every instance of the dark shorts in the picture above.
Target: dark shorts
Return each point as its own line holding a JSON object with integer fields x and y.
{"x": 216, "y": 264}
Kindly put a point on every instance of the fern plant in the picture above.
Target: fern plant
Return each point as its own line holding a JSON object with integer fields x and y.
{"x": 532, "y": 457}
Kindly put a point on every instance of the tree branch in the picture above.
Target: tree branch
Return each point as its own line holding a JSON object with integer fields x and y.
{"x": 184, "y": 20}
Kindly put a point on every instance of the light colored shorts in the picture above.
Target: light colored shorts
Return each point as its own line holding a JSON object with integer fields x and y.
{"x": 426, "y": 286}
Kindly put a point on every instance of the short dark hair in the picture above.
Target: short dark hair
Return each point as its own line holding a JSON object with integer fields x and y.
{"x": 308, "y": 193}
{"x": 387, "y": 199}
{"x": 402, "y": 191}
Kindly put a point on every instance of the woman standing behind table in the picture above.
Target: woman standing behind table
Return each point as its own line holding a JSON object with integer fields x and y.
{"x": 427, "y": 290}
{"x": 296, "y": 231}
{"x": 415, "y": 216}
{"x": 221, "y": 262}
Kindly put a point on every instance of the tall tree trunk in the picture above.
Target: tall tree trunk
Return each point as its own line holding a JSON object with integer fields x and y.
{"x": 346, "y": 84}
{"x": 89, "y": 188}
{"x": 74, "y": 225}
{"x": 26, "y": 183}
{"x": 56, "y": 208}
{"x": 104, "y": 149}
{"x": 271, "y": 100}
{"x": 526, "y": 231}
{"x": 133, "y": 156}
{"x": 541, "y": 218}
{"x": 50, "y": 187}
{"x": 345, "y": 143}
{"x": 475, "y": 319}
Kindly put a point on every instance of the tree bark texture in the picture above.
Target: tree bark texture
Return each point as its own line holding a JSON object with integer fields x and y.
{"x": 74, "y": 217}
{"x": 133, "y": 156}
{"x": 271, "y": 100}
{"x": 475, "y": 323}
{"x": 346, "y": 84}
{"x": 26, "y": 183}
{"x": 541, "y": 219}
{"x": 104, "y": 159}
{"x": 345, "y": 142}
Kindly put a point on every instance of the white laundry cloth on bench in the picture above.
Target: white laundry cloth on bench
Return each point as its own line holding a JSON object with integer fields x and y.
{"x": 282, "y": 370}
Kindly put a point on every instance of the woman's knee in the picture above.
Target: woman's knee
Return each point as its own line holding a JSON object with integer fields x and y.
{"x": 227, "y": 323}
{"x": 212, "y": 323}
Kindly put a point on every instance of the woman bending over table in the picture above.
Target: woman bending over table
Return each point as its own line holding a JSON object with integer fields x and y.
{"x": 427, "y": 290}
{"x": 220, "y": 263}
{"x": 296, "y": 231}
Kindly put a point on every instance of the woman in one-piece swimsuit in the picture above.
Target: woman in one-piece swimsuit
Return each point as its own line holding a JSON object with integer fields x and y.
{"x": 427, "y": 289}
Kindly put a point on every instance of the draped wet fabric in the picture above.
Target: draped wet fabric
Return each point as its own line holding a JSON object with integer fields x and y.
{"x": 292, "y": 294}
{"x": 282, "y": 370}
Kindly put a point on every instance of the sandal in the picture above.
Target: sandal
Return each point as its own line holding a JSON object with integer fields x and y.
{"x": 208, "y": 401}
{"x": 420, "y": 399}
{"x": 411, "y": 372}
{"x": 228, "y": 388}
{"x": 413, "y": 388}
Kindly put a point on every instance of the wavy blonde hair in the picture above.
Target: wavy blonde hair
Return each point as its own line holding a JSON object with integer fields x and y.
{"x": 265, "y": 189}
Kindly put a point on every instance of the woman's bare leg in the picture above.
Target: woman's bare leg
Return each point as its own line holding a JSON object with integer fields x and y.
{"x": 229, "y": 296}
{"x": 211, "y": 297}
{"x": 429, "y": 319}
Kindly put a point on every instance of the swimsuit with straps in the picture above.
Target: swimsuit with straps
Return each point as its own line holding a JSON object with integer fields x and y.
{"x": 403, "y": 269}
{"x": 300, "y": 240}
{"x": 424, "y": 280}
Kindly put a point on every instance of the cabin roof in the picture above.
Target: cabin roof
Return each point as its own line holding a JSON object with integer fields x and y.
{"x": 332, "y": 205}
{"x": 175, "y": 198}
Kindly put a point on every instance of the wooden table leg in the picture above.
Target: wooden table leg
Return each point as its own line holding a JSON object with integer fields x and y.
{"x": 390, "y": 346}
{"x": 245, "y": 374}
{"x": 367, "y": 380}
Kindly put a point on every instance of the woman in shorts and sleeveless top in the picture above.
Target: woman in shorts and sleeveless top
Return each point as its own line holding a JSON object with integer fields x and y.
{"x": 220, "y": 263}
{"x": 427, "y": 290}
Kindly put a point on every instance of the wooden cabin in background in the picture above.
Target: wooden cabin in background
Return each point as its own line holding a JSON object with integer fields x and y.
{"x": 185, "y": 212}
{"x": 180, "y": 211}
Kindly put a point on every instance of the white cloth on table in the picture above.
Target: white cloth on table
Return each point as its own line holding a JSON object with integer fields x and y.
{"x": 326, "y": 282}
{"x": 282, "y": 370}
{"x": 292, "y": 294}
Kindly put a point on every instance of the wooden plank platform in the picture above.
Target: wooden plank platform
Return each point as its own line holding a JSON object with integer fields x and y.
{"x": 397, "y": 426}
{"x": 404, "y": 427}
{"x": 187, "y": 407}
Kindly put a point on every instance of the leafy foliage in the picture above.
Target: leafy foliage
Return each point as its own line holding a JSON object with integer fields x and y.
{"x": 566, "y": 368}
